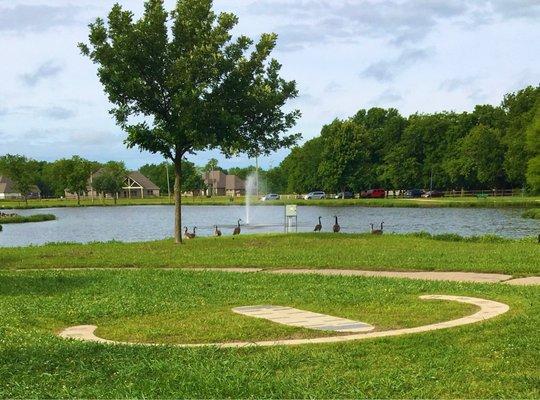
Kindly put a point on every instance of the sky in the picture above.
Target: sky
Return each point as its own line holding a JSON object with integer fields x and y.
{"x": 345, "y": 55}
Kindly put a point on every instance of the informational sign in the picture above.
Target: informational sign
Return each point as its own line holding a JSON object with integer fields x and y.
{"x": 290, "y": 210}
{"x": 291, "y": 218}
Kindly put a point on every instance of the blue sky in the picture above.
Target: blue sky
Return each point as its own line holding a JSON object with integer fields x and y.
{"x": 414, "y": 55}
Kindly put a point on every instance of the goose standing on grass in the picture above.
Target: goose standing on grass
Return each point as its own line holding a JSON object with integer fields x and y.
{"x": 237, "y": 230}
{"x": 188, "y": 235}
{"x": 194, "y": 234}
{"x": 217, "y": 232}
{"x": 377, "y": 231}
{"x": 336, "y": 227}
{"x": 318, "y": 227}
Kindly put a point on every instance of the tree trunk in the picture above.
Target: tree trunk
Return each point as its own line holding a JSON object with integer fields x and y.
{"x": 78, "y": 199}
{"x": 177, "y": 200}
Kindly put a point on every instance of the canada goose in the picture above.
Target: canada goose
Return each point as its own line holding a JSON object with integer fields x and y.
{"x": 217, "y": 232}
{"x": 318, "y": 227}
{"x": 237, "y": 230}
{"x": 194, "y": 234}
{"x": 377, "y": 231}
{"x": 188, "y": 235}
{"x": 336, "y": 228}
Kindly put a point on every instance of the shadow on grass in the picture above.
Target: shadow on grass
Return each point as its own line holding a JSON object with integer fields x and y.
{"x": 20, "y": 284}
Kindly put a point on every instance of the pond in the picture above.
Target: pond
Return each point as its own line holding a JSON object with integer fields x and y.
{"x": 143, "y": 223}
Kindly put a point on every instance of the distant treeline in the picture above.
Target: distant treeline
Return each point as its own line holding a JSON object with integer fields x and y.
{"x": 491, "y": 147}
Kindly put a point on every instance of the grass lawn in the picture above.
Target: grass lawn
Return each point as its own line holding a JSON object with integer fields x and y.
{"x": 496, "y": 358}
{"x": 354, "y": 251}
{"x": 489, "y": 202}
{"x": 21, "y": 219}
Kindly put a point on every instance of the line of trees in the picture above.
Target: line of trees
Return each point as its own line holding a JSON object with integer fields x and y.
{"x": 72, "y": 174}
{"x": 491, "y": 147}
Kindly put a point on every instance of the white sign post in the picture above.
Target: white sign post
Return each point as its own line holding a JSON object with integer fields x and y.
{"x": 291, "y": 217}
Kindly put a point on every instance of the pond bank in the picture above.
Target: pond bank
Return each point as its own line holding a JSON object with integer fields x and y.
{"x": 455, "y": 202}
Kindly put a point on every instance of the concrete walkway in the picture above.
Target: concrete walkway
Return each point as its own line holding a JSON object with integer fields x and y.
{"x": 450, "y": 276}
{"x": 488, "y": 309}
{"x": 424, "y": 275}
{"x": 529, "y": 281}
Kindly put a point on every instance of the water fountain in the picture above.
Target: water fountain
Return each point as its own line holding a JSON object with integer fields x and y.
{"x": 252, "y": 191}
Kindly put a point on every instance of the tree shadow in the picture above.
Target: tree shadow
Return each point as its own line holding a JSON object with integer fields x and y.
{"x": 20, "y": 283}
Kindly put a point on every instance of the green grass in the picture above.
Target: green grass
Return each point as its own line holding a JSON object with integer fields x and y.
{"x": 358, "y": 251}
{"x": 490, "y": 202}
{"x": 496, "y": 358}
{"x": 21, "y": 219}
{"x": 533, "y": 213}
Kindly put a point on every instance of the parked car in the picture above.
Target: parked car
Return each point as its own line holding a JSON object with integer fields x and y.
{"x": 433, "y": 193}
{"x": 270, "y": 196}
{"x": 414, "y": 193}
{"x": 315, "y": 195}
{"x": 344, "y": 195}
{"x": 373, "y": 194}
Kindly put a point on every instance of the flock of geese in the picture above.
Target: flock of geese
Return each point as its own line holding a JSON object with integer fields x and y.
{"x": 217, "y": 231}
{"x": 318, "y": 228}
{"x": 336, "y": 228}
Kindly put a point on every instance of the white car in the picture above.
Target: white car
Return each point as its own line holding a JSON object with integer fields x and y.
{"x": 315, "y": 195}
{"x": 270, "y": 196}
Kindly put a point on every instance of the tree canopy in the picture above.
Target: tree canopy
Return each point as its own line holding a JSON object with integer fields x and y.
{"x": 110, "y": 179}
{"x": 22, "y": 171}
{"x": 179, "y": 83}
{"x": 490, "y": 147}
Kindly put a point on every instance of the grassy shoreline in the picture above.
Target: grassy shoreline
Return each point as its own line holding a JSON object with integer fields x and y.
{"x": 420, "y": 252}
{"x": 23, "y": 219}
{"x": 533, "y": 213}
{"x": 464, "y": 202}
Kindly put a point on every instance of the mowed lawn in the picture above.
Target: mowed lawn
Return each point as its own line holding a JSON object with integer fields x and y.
{"x": 495, "y": 358}
{"x": 357, "y": 251}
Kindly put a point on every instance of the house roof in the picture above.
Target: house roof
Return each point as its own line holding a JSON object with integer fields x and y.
{"x": 216, "y": 178}
{"x": 135, "y": 175}
{"x": 8, "y": 186}
{"x": 234, "y": 183}
{"x": 142, "y": 180}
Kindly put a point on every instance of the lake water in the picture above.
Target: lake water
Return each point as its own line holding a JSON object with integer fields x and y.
{"x": 142, "y": 223}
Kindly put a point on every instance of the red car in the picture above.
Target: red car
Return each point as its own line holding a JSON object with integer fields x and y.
{"x": 374, "y": 194}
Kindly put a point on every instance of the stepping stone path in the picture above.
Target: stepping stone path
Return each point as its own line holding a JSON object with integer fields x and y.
{"x": 303, "y": 319}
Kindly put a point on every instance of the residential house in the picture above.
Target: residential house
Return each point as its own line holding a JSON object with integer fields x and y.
{"x": 8, "y": 190}
{"x": 136, "y": 185}
{"x": 220, "y": 184}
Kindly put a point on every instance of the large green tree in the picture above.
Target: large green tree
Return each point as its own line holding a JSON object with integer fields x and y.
{"x": 22, "y": 171}
{"x": 73, "y": 174}
{"x": 179, "y": 83}
{"x": 533, "y": 146}
{"x": 158, "y": 173}
{"x": 110, "y": 179}
{"x": 346, "y": 158}
{"x": 484, "y": 149}
{"x": 520, "y": 110}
